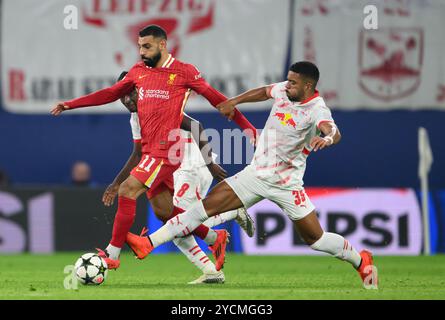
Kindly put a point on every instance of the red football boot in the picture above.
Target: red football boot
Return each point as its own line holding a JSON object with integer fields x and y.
{"x": 111, "y": 263}
{"x": 219, "y": 248}
{"x": 368, "y": 271}
{"x": 140, "y": 245}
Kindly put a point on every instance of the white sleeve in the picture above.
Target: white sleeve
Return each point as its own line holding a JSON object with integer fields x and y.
{"x": 135, "y": 126}
{"x": 274, "y": 90}
{"x": 322, "y": 114}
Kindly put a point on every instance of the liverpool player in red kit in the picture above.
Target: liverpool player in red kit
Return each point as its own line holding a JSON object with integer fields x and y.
{"x": 164, "y": 85}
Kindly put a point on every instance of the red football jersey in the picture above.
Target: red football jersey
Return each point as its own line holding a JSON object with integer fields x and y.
{"x": 162, "y": 95}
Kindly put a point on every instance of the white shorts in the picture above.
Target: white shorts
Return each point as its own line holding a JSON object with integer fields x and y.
{"x": 250, "y": 189}
{"x": 191, "y": 186}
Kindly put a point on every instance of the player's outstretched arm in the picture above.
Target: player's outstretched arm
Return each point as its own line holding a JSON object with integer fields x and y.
{"x": 97, "y": 98}
{"x": 199, "y": 135}
{"x": 227, "y": 108}
{"x": 111, "y": 191}
{"x": 216, "y": 98}
{"x": 59, "y": 108}
{"x": 331, "y": 136}
{"x": 198, "y": 84}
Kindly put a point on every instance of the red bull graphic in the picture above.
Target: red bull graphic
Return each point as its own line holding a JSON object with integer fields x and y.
{"x": 285, "y": 119}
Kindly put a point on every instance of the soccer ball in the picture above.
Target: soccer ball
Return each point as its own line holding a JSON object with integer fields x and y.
{"x": 91, "y": 269}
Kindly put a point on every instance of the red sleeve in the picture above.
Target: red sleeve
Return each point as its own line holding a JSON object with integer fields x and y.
{"x": 103, "y": 96}
{"x": 195, "y": 81}
{"x": 245, "y": 124}
{"x": 215, "y": 97}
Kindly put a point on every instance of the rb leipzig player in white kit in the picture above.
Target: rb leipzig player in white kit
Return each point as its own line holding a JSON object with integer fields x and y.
{"x": 299, "y": 122}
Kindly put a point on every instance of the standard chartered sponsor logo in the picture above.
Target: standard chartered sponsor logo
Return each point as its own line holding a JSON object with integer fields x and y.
{"x": 153, "y": 93}
{"x": 159, "y": 94}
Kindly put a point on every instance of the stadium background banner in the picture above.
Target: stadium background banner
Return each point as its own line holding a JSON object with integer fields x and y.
{"x": 44, "y": 220}
{"x": 387, "y": 221}
{"x": 372, "y": 69}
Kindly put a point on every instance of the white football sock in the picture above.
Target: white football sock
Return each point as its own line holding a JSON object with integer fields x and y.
{"x": 113, "y": 252}
{"x": 210, "y": 237}
{"x": 221, "y": 218}
{"x": 193, "y": 252}
{"x": 339, "y": 247}
{"x": 181, "y": 225}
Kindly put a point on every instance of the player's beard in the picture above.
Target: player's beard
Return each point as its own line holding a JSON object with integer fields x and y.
{"x": 151, "y": 62}
{"x": 293, "y": 98}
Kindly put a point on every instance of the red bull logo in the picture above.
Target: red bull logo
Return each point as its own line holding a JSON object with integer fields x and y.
{"x": 285, "y": 119}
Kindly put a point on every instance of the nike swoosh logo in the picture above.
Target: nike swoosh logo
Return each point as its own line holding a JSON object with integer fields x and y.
{"x": 140, "y": 77}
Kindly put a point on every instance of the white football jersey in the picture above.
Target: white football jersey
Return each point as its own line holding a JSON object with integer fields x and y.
{"x": 192, "y": 155}
{"x": 135, "y": 126}
{"x": 282, "y": 149}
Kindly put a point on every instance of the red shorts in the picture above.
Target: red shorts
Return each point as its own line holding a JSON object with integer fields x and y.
{"x": 155, "y": 173}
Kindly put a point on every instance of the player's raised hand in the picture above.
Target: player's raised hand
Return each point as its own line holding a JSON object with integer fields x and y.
{"x": 227, "y": 108}
{"x": 318, "y": 143}
{"x": 109, "y": 194}
{"x": 58, "y": 109}
{"x": 217, "y": 171}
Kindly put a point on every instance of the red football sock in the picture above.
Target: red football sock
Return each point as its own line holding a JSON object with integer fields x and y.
{"x": 201, "y": 231}
{"x": 126, "y": 212}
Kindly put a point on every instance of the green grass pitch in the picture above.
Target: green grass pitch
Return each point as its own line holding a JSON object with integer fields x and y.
{"x": 165, "y": 277}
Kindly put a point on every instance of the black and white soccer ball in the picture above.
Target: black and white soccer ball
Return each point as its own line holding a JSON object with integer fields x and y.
{"x": 91, "y": 269}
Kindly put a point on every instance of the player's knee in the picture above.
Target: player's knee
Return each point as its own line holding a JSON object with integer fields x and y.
{"x": 127, "y": 189}
{"x": 156, "y": 210}
{"x": 160, "y": 213}
{"x": 211, "y": 208}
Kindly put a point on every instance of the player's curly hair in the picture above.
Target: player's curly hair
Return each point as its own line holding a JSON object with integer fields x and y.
{"x": 153, "y": 30}
{"x": 307, "y": 69}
